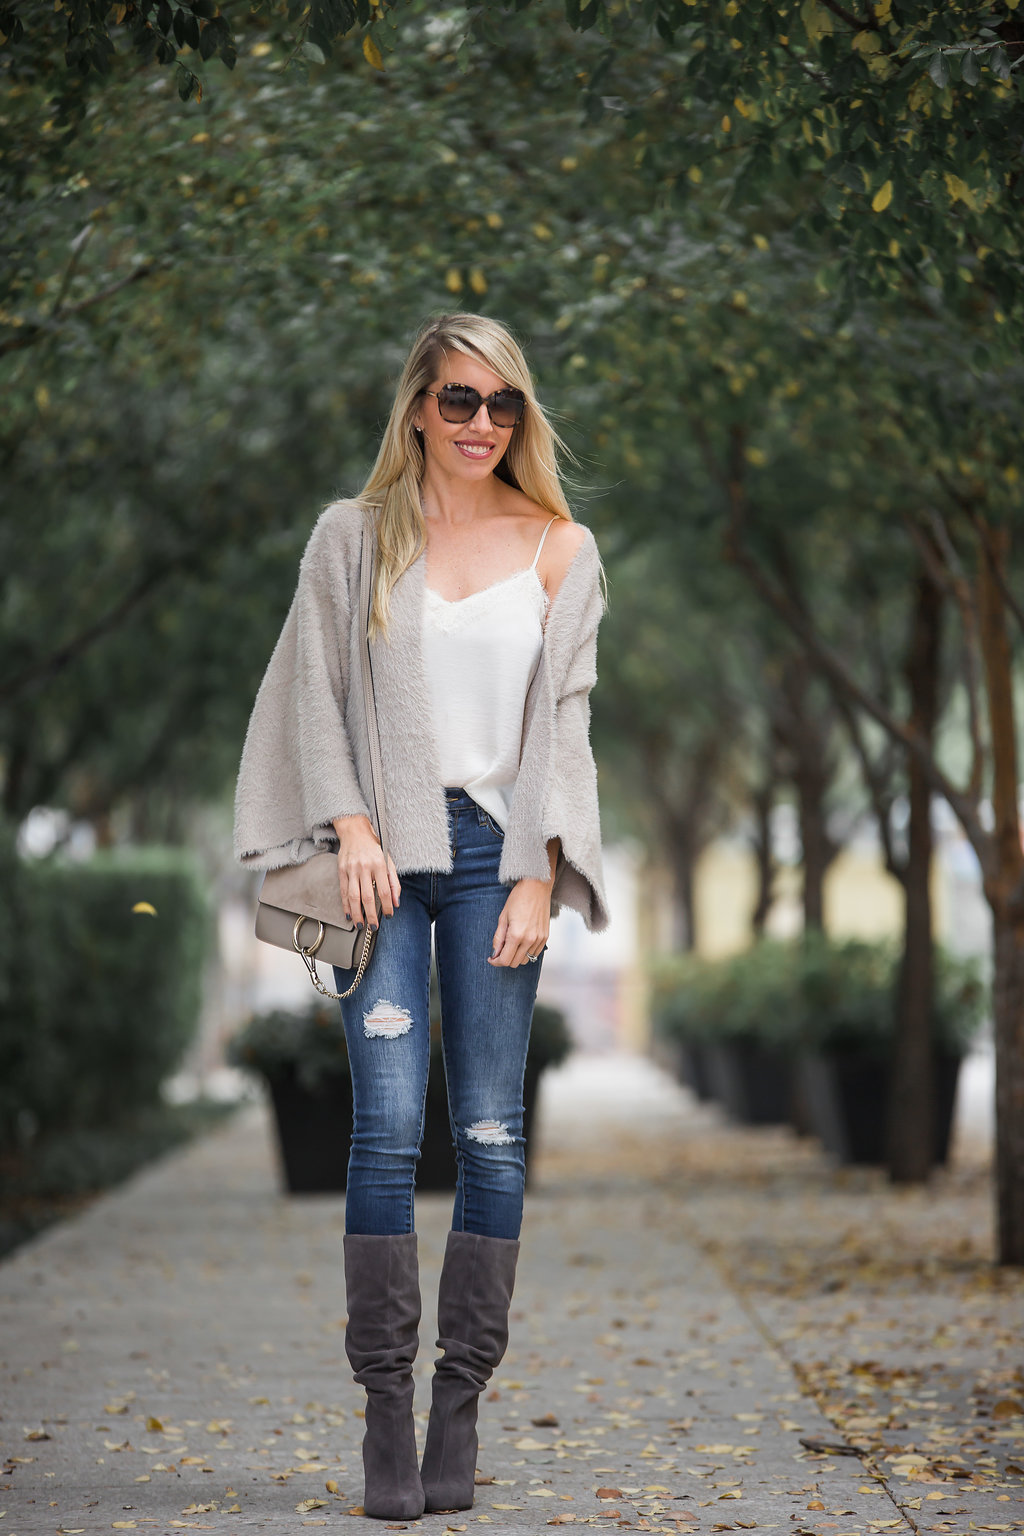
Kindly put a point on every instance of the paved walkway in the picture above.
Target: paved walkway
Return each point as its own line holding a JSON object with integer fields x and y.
{"x": 702, "y": 1314}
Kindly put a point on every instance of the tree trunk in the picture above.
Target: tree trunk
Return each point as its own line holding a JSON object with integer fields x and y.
{"x": 1008, "y": 1015}
{"x": 764, "y": 800}
{"x": 803, "y": 733}
{"x": 684, "y": 915}
{"x": 817, "y": 852}
{"x": 911, "y": 1077}
{"x": 1004, "y": 878}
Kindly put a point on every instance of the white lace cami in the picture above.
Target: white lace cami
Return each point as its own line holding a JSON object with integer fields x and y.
{"x": 480, "y": 654}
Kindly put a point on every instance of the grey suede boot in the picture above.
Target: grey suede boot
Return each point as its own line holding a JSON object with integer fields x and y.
{"x": 383, "y": 1285}
{"x": 472, "y": 1318}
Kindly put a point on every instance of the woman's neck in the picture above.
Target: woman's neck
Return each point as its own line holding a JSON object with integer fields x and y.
{"x": 447, "y": 500}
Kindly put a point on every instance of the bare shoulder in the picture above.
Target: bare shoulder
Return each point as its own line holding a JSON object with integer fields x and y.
{"x": 562, "y": 545}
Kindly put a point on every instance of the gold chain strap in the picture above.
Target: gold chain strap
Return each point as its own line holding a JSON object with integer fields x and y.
{"x": 308, "y": 953}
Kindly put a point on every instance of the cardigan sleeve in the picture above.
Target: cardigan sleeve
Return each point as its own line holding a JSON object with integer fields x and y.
{"x": 297, "y": 772}
{"x": 571, "y": 811}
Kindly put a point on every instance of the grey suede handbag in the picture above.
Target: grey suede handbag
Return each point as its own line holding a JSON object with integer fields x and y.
{"x": 309, "y": 894}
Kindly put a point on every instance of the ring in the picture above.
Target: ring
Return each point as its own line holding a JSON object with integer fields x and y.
{"x": 533, "y": 959}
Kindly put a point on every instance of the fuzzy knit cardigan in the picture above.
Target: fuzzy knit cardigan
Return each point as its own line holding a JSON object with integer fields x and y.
{"x": 305, "y": 759}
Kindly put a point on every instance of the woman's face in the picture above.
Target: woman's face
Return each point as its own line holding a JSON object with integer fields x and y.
{"x": 469, "y": 450}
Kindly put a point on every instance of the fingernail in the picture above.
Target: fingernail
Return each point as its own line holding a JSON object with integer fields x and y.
{"x": 374, "y": 927}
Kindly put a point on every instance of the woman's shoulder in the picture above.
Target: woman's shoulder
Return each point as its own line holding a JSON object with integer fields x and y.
{"x": 568, "y": 546}
{"x": 337, "y": 532}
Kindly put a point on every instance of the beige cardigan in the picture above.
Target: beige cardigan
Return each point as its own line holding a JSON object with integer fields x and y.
{"x": 305, "y": 759}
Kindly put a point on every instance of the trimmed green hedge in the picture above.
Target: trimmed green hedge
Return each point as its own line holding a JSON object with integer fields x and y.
{"x": 97, "y": 1003}
{"x": 312, "y": 1043}
{"x": 811, "y": 993}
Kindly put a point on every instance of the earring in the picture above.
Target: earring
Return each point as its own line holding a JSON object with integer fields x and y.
{"x": 419, "y": 430}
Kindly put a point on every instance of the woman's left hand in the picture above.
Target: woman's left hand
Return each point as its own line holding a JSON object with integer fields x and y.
{"x": 524, "y": 924}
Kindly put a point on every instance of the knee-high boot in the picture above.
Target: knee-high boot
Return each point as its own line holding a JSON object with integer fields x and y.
{"x": 472, "y": 1316}
{"x": 382, "y": 1281}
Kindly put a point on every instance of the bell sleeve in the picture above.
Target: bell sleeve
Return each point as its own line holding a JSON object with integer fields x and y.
{"x": 297, "y": 771}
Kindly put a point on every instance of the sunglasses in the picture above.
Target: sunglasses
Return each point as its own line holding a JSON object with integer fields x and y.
{"x": 460, "y": 403}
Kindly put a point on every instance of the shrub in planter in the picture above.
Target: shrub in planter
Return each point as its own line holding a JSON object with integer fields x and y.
{"x": 735, "y": 1025}
{"x": 97, "y": 1003}
{"x": 303, "y": 1059}
{"x": 825, "y": 1005}
{"x": 848, "y": 1019}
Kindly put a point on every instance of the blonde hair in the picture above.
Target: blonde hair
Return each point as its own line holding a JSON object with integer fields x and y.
{"x": 392, "y": 492}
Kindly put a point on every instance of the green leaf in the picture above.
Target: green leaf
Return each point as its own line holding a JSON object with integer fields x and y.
{"x": 969, "y": 68}
{"x": 939, "y": 71}
{"x": 312, "y": 52}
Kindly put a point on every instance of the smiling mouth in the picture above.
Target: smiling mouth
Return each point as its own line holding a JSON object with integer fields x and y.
{"x": 475, "y": 450}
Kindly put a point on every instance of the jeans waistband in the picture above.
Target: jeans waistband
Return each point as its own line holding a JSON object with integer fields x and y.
{"x": 458, "y": 797}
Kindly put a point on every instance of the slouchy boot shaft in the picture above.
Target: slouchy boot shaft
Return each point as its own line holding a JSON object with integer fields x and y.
{"x": 382, "y": 1282}
{"x": 477, "y": 1280}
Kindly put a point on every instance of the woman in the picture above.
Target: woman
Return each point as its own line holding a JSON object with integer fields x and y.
{"x": 486, "y": 602}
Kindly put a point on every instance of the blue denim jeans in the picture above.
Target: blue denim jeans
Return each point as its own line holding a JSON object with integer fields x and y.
{"x": 486, "y": 1013}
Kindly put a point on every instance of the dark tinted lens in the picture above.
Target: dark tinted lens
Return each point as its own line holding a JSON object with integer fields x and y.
{"x": 506, "y": 407}
{"x": 457, "y": 402}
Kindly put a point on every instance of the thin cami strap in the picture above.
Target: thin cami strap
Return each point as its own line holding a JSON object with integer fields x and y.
{"x": 540, "y": 546}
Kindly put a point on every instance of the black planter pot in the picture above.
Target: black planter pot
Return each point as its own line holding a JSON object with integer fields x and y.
{"x": 846, "y": 1094}
{"x": 752, "y": 1081}
{"x": 695, "y": 1069}
{"x": 314, "y": 1131}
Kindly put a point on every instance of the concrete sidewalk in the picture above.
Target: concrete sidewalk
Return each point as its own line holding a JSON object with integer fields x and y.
{"x": 173, "y": 1358}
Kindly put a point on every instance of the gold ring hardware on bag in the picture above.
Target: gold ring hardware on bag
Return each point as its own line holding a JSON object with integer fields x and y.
{"x": 310, "y": 964}
{"x": 307, "y": 949}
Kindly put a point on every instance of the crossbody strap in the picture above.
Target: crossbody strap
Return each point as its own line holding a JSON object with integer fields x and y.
{"x": 365, "y": 667}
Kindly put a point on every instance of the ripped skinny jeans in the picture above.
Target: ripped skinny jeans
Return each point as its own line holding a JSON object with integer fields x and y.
{"x": 485, "y": 1012}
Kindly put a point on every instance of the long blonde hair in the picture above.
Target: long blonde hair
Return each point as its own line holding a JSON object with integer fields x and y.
{"x": 392, "y": 493}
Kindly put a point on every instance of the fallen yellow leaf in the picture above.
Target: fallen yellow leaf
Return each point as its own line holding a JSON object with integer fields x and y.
{"x": 150, "y": 911}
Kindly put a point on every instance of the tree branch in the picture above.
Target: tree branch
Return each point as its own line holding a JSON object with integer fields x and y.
{"x": 951, "y": 579}
{"x": 848, "y": 16}
{"x": 984, "y": 533}
{"x": 832, "y": 665}
{"x": 48, "y": 666}
{"x": 27, "y": 335}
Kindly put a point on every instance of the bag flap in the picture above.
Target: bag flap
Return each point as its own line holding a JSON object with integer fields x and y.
{"x": 311, "y": 888}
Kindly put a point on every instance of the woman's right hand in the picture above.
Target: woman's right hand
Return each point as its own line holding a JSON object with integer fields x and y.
{"x": 361, "y": 867}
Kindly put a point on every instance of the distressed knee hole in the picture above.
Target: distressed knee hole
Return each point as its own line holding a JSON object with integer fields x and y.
{"x": 385, "y": 1020}
{"x": 491, "y": 1132}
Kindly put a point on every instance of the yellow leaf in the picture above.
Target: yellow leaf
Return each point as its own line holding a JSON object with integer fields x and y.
{"x": 260, "y": 50}
{"x": 883, "y": 10}
{"x": 150, "y": 910}
{"x": 727, "y": 124}
{"x": 42, "y": 397}
{"x": 867, "y": 42}
{"x": 477, "y": 281}
{"x": 305, "y": 1506}
{"x": 541, "y": 230}
{"x": 742, "y": 107}
{"x": 371, "y": 53}
{"x": 453, "y": 280}
{"x": 959, "y": 192}
{"x": 332, "y": 1486}
{"x": 882, "y": 198}
{"x": 817, "y": 21}
{"x": 696, "y": 175}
